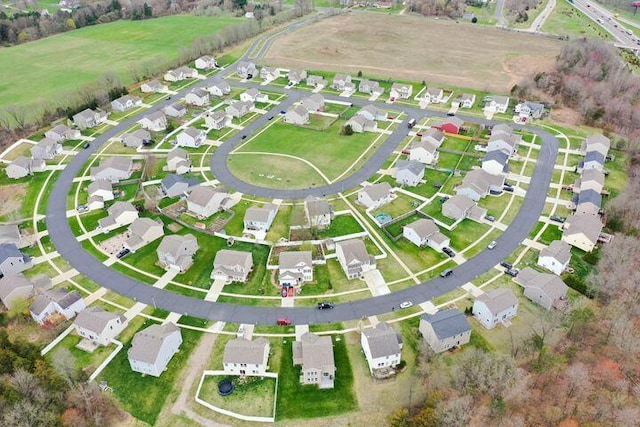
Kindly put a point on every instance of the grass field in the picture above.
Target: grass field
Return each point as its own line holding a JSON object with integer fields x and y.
{"x": 567, "y": 20}
{"x": 383, "y": 45}
{"x": 64, "y": 62}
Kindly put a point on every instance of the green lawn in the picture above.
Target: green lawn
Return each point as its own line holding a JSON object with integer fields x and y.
{"x": 297, "y": 401}
{"x": 566, "y": 20}
{"x": 274, "y": 171}
{"x": 64, "y": 62}
{"x": 252, "y": 396}
{"x": 329, "y": 151}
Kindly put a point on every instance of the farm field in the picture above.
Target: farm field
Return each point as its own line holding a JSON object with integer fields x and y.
{"x": 393, "y": 45}
{"x": 64, "y": 62}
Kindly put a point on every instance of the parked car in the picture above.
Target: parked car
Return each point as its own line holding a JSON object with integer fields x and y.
{"x": 509, "y": 189}
{"x": 244, "y": 137}
{"x": 492, "y": 245}
{"x": 82, "y": 208}
{"x": 283, "y": 321}
{"x": 490, "y": 218}
{"x": 86, "y": 145}
{"x": 122, "y": 253}
{"x": 446, "y": 273}
{"x": 270, "y": 117}
{"x": 406, "y": 304}
{"x": 513, "y": 272}
{"x": 325, "y": 305}
{"x": 556, "y": 218}
{"x": 506, "y": 265}
{"x": 284, "y": 292}
{"x": 449, "y": 252}
{"x": 443, "y": 199}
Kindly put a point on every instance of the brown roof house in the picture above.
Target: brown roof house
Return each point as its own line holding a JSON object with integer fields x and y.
{"x": 315, "y": 354}
{"x": 176, "y": 252}
{"x": 244, "y": 357}
{"x": 153, "y": 348}
{"x": 232, "y": 266}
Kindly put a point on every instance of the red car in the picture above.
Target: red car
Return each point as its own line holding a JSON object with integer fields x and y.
{"x": 283, "y": 321}
{"x": 418, "y": 134}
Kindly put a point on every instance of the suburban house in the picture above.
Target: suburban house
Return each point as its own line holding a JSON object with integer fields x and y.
{"x": 119, "y": 215}
{"x": 478, "y": 183}
{"x": 502, "y": 129}
{"x": 191, "y": 137}
{"x": 295, "y": 268}
{"x": 599, "y": 143}
{"x": 232, "y": 266}
{"x": 220, "y": 88}
{"x": 592, "y": 160}
{"x": 246, "y": 70}
{"x": 175, "y": 110}
{"x": 555, "y": 257}
{"x": 318, "y": 212}
{"x": 433, "y": 136}
{"x": 424, "y": 232}
{"x": 155, "y": 122}
{"x": 245, "y": 357}
{"x": 204, "y": 201}
{"x": 590, "y": 179}
{"x": 433, "y": 95}
{"x": 450, "y": 125}
{"x": 239, "y": 109}
{"x": 137, "y": 138}
{"x": 359, "y": 124}
{"x": 376, "y": 195}
{"x": 89, "y": 118}
{"x": 10, "y": 233}
{"x": 12, "y": 261}
{"x": 174, "y": 185}
{"x": 342, "y": 82}
{"x": 98, "y": 326}
{"x": 296, "y": 76}
{"x": 498, "y": 104}
{"x": 16, "y": 287}
{"x": 113, "y": 169}
{"x": 370, "y": 87}
{"x": 461, "y": 207}
{"x": 382, "y": 347}
{"x": 353, "y": 258}
{"x": 588, "y": 203}
{"x": 401, "y": 91}
{"x": 297, "y": 115}
{"x": 206, "y": 63}
{"x": 62, "y": 133}
{"x": 56, "y": 301}
{"x": 23, "y": 166}
{"x": 371, "y": 112}
{"x": 495, "y": 162}
{"x": 466, "y": 100}
{"x": 314, "y": 102}
{"x": 409, "y": 172}
{"x": 178, "y": 161}
{"x": 260, "y": 219}
{"x": 496, "y": 306}
{"x": 217, "y": 120}
{"x": 143, "y": 231}
{"x": 125, "y": 103}
{"x": 100, "y": 191}
{"x": 501, "y": 141}
{"x": 545, "y": 289}
{"x": 180, "y": 74}
{"x": 46, "y": 149}
{"x": 197, "y": 97}
{"x": 582, "y": 231}
{"x": 153, "y": 86}
{"x": 529, "y": 110}
{"x": 254, "y": 95}
{"x": 176, "y": 252}
{"x": 315, "y": 354}
{"x": 445, "y": 329}
{"x": 269, "y": 73}
{"x": 316, "y": 81}
{"x": 153, "y": 347}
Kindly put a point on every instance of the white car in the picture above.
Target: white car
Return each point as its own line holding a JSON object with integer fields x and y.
{"x": 492, "y": 245}
{"x": 406, "y": 304}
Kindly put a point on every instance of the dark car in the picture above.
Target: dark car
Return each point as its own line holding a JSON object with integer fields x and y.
{"x": 506, "y": 265}
{"x": 122, "y": 253}
{"x": 449, "y": 252}
{"x": 283, "y": 112}
{"x": 325, "y": 305}
{"x": 270, "y": 117}
{"x": 513, "y": 272}
{"x": 168, "y": 98}
{"x": 490, "y": 218}
{"x": 556, "y": 218}
{"x": 446, "y": 273}
{"x": 86, "y": 145}
{"x": 243, "y": 137}
{"x": 509, "y": 189}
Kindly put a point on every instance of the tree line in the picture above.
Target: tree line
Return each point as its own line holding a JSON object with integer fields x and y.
{"x": 451, "y": 8}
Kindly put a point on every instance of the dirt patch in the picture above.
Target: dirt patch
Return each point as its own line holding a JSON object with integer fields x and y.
{"x": 11, "y": 197}
{"x": 417, "y": 49}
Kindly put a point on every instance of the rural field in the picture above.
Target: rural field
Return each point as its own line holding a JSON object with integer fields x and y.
{"x": 63, "y": 62}
{"x": 416, "y": 49}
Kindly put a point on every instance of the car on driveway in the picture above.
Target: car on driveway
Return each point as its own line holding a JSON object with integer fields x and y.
{"x": 122, "y": 253}
{"x": 513, "y": 272}
{"x": 406, "y": 304}
{"x": 449, "y": 252}
{"x": 492, "y": 245}
{"x": 446, "y": 273}
{"x": 506, "y": 265}
{"x": 557, "y": 218}
{"x": 283, "y": 321}
{"x": 325, "y": 305}
{"x": 490, "y": 218}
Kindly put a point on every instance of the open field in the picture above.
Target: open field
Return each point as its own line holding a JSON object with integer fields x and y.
{"x": 375, "y": 43}
{"x": 64, "y": 62}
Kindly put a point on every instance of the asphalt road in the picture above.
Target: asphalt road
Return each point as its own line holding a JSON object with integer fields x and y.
{"x": 71, "y": 250}
{"x": 605, "y": 19}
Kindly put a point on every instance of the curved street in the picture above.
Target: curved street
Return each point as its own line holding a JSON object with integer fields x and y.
{"x": 72, "y": 251}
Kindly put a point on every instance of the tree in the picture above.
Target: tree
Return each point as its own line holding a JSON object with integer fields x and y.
{"x": 71, "y": 24}
{"x": 346, "y": 130}
{"x": 400, "y": 418}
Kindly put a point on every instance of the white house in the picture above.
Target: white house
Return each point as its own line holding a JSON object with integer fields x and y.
{"x": 191, "y": 137}
{"x": 46, "y": 149}
{"x": 12, "y": 261}
{"x": 295, "y": 268}
{"x": 445, "y": 329}
{"x": 126, "y": 102}
{"x": 137, "y": 138}
{"x": 382, "y": 347}
{"x": 113, "y": 169}
{"x": 297, "y": 115}
{"x": 496, "y": 306}
{"x": 206, "y": 63}
{"x": 478, "y": 183}
{"x": 98, "y": 326}
{"x": 425, "y": 152}
{"x": 376, "y": 195}
{"x": 342, "y": 82}
{"x": 269, "y": 73}
{"x": 244, "y": 357}
{"x": 221, "y": 88}
{"x": 433, "y": 95}
{"x": 467, "y": 100}
{"x": 315, "y": 354}
{"x": 371, "y": 112}
{"x": 359, "y": 124}
{"x": 409, "y": 172}
{"x": 62, "y": 133}
{"x": 239, "y": 109}
{"x": 176, "y": 252}
{"x": 260, "y": 219}
{"x": 178, "y": 161}
{"x": 143, "y": 231}
{"x": 246, "y": 70}
{"x": 153, "y": 86}
{"x": 56, "y": 301}
{"x": 529, "y": 110}
{"x": 197, "y": 97}
{"x": 155, "y": 122}
{"x": 180, "y": 74}
{"x": 232, "y": 266}
{"x": 507, "y": 142}
{"x": 16, "y": 287}
{"x": 498, "y": 104}
{"x": 582, "y": 231}
{"x": 318, "y": 212}
{"x": 100, "y": 191}
{"x": 424, "y": 232}
{"x": 204, "y": 201}
{"x": 353, "y": 258}
{"x": 296, "y": 76}
{"x": 495, "y": 162}
{"x": 217, "y": 120}
{"x": 153, "y": 348}
{"x": 89, "y": 118}
{"x": 555, "y": 257}
{"x": 119, "y": 215}
{"x": 598, "y": 142}
{"x": 253, "y": 95}
{"x": 401, "y": 91}
{"x": 313, "y": 103}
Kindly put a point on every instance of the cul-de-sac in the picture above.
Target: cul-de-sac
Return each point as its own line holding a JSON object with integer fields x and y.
{"x": 343, "y": 213}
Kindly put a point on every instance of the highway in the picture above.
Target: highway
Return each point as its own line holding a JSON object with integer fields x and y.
{"x": 605, "y": 19}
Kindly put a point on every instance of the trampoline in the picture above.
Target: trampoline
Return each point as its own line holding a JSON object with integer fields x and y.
{"x": 225, "y": 387}
{"x": 383, "y": 218}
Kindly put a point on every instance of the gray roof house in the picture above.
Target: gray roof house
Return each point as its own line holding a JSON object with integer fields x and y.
{"x": 318, "y": 212}
{"x": 244, "y": 357}
{"x": 239, "y": 109}
{"x": 370, "y": 87}
{"x": 588, "y": 203}
{"x": 46, "y": 149}
{"x": 23, "y": 166}
{"x": 503, "y": 141}
{"x": 10, "y": 233}
{"x": 232, "y": 266}
{"x": 12, "y": 261}
{"x": 98, "y": 327}
{"x": 445, "y": 329}
{"x": 175, "y": 110}
{"x": 401, "y": 91}
{"x": 153, "y": 348}
{"x": 143, "y": 231}
{"x": 555, "y": 257}
{"x": 545, "y": 289}
{"x": 295, "y": 268}
{"x": 296, "y": 76}
{"x": 269, "y": 73}
{"x": 353, "y": 258}
{"x": 477, "y": 184}
{"x": 409, "y": 172}
{"x": 198, "y": 97}
{"x": 341, "y": 82}
{"x": 176, "y": 252}
{"x": 217, "y": 120}
{"x": 460, "y": 207}
{"x": 592, "y": 160}
{"x": 316, "y": 81}
{"x": 424, "y": 151}
{"x": 376, "y": 195}
{"x": 496, "y": 162}
{"x": 246, "y": 70}
{"x": 371, "y": 112}
{"x": 204, "y": 201}
{"x": 153, "y": 86}
{"x": 178, "y": 161}
{"x": 89, "y": 118}
{"x": 113, "y": 169}
{"x": 296, "y": 115}
{"x": 206, "y": 62}
{"x": 382, "y": 347}
{"x": 590, "y": 179}
{"x": 191, "y": 137}
{"x": 15, "y": 287}
{"x": 359, "y": 124}
{"x": 315, "y": 354}
{"x": 314, "y": 102}
{"x": 494, "y": 307}
{"x": 61, "y": 133}
{"x": 582, "y": 231}
{"x": 119, "y": 215}
{"x": 99, "y": 191}
{"x": 528, "y": 109}
{"x": 137, "y": 138}
{"x": 174, "y": 185}
{"x": 155, "y": 122}
{"x": 220, "y": 88}
{"x": 260, "y": 219}
{"x": 126, "y": 102}
{"x": 56, "y": 301}
{"x": 424, "y": 232}
{"x": 597, "y": 142}
{"x": 180, "y": 74}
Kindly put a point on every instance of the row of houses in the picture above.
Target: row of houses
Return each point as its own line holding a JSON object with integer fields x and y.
{"x": 299, "y": 114}
{"x": 503, "y": 143}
